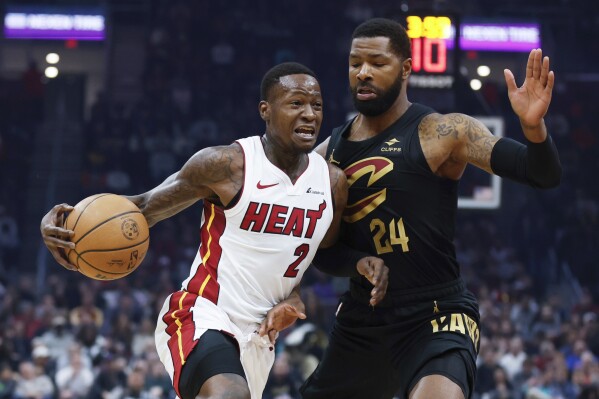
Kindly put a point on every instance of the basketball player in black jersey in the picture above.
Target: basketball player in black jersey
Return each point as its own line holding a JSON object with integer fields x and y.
{"x": 403, "y": 162}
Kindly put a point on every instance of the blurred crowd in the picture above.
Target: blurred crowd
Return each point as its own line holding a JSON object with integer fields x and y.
{"x": 81, "y": 338}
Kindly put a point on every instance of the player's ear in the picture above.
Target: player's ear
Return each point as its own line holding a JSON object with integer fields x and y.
{"x": 406, "y": 68}
{"x": 264, "y": 109}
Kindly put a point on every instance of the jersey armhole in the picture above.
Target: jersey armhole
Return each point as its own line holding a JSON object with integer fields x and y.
{"x": 232, "y": 207}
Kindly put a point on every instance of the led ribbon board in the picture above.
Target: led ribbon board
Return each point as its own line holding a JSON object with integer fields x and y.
{"x": 500, "y": 37}
{"x": 53, "y": 24}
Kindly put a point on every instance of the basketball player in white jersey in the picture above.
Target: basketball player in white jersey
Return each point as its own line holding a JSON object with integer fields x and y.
{"x": 269, "y": 203}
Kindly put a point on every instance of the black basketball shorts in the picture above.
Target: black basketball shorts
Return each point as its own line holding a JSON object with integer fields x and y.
{"x": 376, "y": 353}
{"x": 215, "y": 353}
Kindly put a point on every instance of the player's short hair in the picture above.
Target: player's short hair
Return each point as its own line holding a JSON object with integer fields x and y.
{"x": 273, "y": 76}
{"x": 383, "y": 27}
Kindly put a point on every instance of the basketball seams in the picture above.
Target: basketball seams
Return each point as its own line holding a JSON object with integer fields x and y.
{"x": 85, "y": 207}
{"x": 111, "y": 239}
{"x": 100, "y": 270}
{"x": 104, "y": 222}
{"x": 113, "y": 249}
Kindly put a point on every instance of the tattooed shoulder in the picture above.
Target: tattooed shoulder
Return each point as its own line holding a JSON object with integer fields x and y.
{"x": 215, "y": 164}
{"x": 436, "y": 126}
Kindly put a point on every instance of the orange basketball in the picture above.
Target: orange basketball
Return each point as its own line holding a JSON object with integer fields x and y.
{"x": 111, "y": 236}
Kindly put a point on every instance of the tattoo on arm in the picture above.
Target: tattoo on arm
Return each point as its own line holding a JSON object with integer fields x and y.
{"x": 192, "y": 183}
{"x": 218, "y": 164}
{"x": 477, "y": 139}
{"x": 447, "y": 129}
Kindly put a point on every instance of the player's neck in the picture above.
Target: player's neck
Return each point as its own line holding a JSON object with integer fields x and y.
{"x": 293, "y": 164}
{"x": 364, "y": 126}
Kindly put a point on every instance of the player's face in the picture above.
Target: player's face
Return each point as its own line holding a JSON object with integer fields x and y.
{"x": 375, "y": 75}
{"x": 294, "y": 112}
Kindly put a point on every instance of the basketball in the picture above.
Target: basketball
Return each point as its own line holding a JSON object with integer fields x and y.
{"x": 111, "y": 236}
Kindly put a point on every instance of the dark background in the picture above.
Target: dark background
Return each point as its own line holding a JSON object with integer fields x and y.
{"x": 175, "y": 76}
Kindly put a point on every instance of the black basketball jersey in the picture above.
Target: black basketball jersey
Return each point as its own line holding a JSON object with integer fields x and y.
{"x": 397, "y": 208}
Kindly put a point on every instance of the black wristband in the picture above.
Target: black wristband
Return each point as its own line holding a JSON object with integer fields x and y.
{"x": 544, "y": 167}
{"x": 339, "y": 260}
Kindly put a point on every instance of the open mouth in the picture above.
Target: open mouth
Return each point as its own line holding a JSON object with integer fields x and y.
{"x": 307, "y": 132}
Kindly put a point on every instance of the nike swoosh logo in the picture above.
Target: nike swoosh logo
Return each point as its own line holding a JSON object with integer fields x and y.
{"x": 260, "y": 186}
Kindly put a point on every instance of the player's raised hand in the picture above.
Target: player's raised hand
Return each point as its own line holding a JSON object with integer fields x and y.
{"x": 375, "y": 270}
{"x": 281, "y": 316}
{"x": 531, "y": 100}
{"x": 55, "y": 236}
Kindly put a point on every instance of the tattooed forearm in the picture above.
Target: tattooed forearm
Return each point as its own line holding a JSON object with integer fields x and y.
{"x": 166, "y": 202}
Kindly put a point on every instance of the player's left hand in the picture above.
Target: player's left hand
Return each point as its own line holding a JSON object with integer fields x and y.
{"x": 281, "y": 316}
{"x": 531, "y": 100}
{"x": 375, "y": 270}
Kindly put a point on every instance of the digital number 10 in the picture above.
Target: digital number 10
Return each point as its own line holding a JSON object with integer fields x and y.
{"x": 429, "y": 55}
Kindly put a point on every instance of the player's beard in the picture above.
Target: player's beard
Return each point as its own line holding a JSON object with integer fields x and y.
{"x": 383, "y": 101}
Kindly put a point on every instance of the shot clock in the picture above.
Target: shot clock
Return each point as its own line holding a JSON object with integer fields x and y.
{"x": 429, "y": 36}
{"x": 433, "y": 51}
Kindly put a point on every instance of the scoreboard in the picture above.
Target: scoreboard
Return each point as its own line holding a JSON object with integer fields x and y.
{"x": 429, "y": 37}
{"x": 433, "y": 51}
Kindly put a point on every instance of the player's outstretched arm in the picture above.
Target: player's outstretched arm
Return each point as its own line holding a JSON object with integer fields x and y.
{"x": 466, "y": 140}
{"x": 211, "y": 170}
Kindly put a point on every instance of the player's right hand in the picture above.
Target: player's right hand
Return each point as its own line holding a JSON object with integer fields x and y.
{"x": 375, "y": 270}
{"x": 55, "y": 236}
{"x": 280, "y": 317}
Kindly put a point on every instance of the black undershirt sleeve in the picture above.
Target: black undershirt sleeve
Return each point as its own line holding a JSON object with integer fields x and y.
{"x": 338, "y": 260}
{"x": 535, "y": 164}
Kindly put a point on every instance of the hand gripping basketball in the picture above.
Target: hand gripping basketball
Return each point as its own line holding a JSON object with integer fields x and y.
{"x": 111, "y": 236}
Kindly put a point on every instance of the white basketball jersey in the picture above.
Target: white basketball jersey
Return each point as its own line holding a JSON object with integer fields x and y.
{"x": 252, "y": 255}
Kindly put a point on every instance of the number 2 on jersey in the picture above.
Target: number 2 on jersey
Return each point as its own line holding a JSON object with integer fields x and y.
{"x": 301, "y": 252}
{"x": 397, "y": 236}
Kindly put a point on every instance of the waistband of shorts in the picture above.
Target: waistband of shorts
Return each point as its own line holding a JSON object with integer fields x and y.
{"x": 403, "y": 297}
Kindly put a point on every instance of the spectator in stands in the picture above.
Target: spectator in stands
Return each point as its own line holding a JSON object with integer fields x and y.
{"x": 587, "y": 372}
{"x": 283, "y": 382}
{"x": 42, "y": 360}
{"x": 521, "y": 380}
{"x": 87, "y": 312}
{"x": 513, "y": 360}
{"x": 502, "y": 386}
{"x": 111, "y": 379}
{"x": 547, "y": 323}
{"x": 75, "y": 379}
{"x": 8, "y": 382}
{"x": 31, "y": 385}
{"x": 59, "y": 338}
